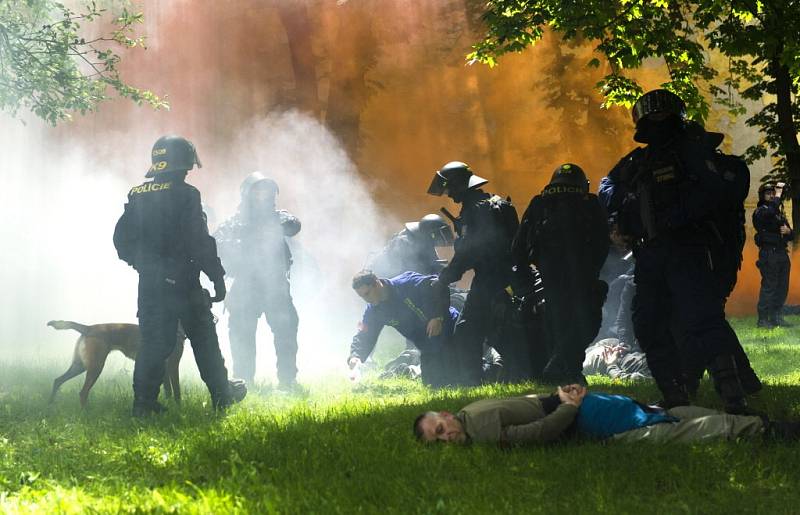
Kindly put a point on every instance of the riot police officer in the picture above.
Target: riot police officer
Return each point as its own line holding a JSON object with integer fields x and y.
{"x": 725, "y": 246}
{"x": 772, "y": 234}
{"x": 485, "y": 227}
{"x": 164, "y": 236}
{"x": 564, "y": 233}
{"x": 414, "y": 248}
{"x": 254, "y": 249}
{"x": 665, "y": 195}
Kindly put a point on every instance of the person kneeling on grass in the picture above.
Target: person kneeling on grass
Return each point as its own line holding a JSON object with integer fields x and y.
{"x": 546, "y": 418}
{"x": 408, "y": 303}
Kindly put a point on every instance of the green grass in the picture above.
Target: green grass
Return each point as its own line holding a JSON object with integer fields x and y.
{"x": 344, "y": 449}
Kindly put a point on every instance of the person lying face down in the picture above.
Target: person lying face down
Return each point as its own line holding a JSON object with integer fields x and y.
{"x": 573, "y": 410}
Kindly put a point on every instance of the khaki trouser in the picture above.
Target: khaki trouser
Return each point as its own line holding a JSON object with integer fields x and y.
{"x": 696, "y": 425}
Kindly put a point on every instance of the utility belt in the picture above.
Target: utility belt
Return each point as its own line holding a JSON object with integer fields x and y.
{"x": 173, "y": 271}
{"x": 692, "y": 235}
{"x": 769, "y": 239}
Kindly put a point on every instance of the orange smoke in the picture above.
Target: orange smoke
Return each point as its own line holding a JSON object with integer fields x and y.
{"x": 745, "y": 296}
{"x": 388, "y": 77}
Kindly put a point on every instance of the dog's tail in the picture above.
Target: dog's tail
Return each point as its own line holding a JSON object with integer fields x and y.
{"x": 62, "y": 325}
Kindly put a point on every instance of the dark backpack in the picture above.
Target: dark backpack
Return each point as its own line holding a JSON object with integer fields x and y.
{"x": 729, "y": 219}
{"x": 504, "y": 215}
{"x": 568, "y": 228}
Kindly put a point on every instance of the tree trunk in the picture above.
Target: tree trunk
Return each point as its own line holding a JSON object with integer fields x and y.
{"x": 354, "y": 54}
{"x": 298, "y": 27}
{"x": 493, "y": 143}
{"x": 788, "y": 137}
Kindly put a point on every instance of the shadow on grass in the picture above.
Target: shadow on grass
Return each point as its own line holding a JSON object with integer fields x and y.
{"x": 353, "y": 450}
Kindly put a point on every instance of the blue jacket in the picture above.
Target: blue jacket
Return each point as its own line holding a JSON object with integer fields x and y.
{"x": 411, "y": 304}
{"x": 602, "y": 415}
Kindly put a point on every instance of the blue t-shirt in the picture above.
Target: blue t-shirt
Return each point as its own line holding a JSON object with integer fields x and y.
{"x": 602, "y": 415}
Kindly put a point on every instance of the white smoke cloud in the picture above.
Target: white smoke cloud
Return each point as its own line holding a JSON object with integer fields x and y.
{"x": 341, "y": 225}
{"x": 61, "y": 197}
{"x": 58, "y": 212}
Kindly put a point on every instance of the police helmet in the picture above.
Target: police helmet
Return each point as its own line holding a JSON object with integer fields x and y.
{"x": 433, "y": 227}
{"x": 570, "y": 174}
{"x": 658, "y": 101}
{"x": 257, "y": 178}
{"x": 455, "y": 177}
{"x": 699, "y": 133}
{"x": 767, "y": 186}
{"x": 171, "y": 154}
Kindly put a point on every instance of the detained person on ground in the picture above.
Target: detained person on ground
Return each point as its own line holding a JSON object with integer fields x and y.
{"x": 575, "y": 412}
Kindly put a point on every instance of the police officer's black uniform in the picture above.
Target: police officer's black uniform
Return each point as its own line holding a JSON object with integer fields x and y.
{"x": 254, "y": 249}
{"x": 414, "y": 249}
{"x": 665, "y": 194}
{"x": 485, "y": 228}
{"x": 564, "y": 233}
{"x": 164, "y": 236}
{"x": 773, "y": 258}
{"x": 726, "y": 247}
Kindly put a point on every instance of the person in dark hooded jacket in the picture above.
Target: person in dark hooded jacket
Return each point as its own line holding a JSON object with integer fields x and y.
{"x": 252, "y": 244}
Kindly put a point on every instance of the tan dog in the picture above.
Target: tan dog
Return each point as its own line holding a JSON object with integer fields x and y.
{"x": 93, "y": 346}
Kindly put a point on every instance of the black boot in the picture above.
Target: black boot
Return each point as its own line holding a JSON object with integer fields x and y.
{"x": 558, "y": 372}
{"x": 290, "y": 387}
{"x": 727, "y": 384}
{"x": 692, "y": 386}
{"x": 777, "y": 320}
{"x": 764, "y": 321}
{"x": 751, "y": 384}
{"x": 675, "y": 394}
{"x": 143, "y": 408}
{"x": 236, "y": 392}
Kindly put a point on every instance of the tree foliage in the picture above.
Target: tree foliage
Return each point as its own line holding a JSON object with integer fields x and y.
{"x": 759, "y": 40}
{"x": 49, "y": 68}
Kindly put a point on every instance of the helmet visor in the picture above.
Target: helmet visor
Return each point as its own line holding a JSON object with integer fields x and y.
{"x": 443, "y": 236}
{"x": 658, "y": 104}
{"x": 438, "y": 185}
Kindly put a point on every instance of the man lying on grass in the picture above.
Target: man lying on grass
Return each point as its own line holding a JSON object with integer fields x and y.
{"x": 546, "y": 418}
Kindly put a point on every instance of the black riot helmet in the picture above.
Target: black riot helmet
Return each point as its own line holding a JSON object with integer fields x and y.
{"x": 173, "y": 154}
{"x": 658, "y": 101}
{"x": 432, "y": 227}
{"x": 455, "y": 178}
{"x": 767, "y": 186}
{"x": 570, "y": 175}
{"x": 260, "y": 179}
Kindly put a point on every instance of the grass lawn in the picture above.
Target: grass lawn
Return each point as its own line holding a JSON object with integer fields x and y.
{"x": 345, "y": 449}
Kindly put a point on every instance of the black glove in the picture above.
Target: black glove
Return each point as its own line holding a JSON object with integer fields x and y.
{"x": 219, "y": 290}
